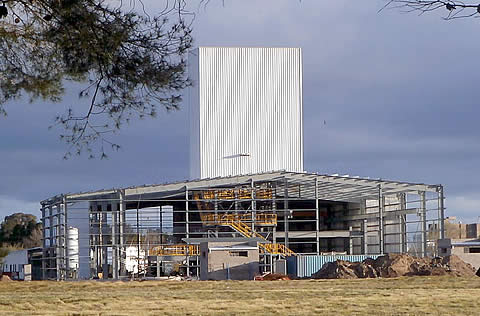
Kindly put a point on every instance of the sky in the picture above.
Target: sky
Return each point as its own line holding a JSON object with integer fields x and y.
{"x": 398, "y": 93}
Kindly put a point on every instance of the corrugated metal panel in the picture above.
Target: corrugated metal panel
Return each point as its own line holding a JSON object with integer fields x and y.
{"x": 194, "y": 115}
{"x": 305, "y": 266}
{"x": 249, "y": 111}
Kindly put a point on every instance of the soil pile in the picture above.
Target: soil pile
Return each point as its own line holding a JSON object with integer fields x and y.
{"x": 395, "y": 265}
{"x": 5, "y": 278}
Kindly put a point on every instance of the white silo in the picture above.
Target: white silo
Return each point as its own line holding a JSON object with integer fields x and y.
{"x": 72, "y": 248}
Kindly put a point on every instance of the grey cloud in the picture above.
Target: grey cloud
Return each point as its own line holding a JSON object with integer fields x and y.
{"x": 398, "y": 94}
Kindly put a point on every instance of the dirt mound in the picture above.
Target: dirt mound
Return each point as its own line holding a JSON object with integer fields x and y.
{"x": 339, "y": 269}
{"x": 5, "y": 278}
{"x": 457, "y": 266}
{"x": 395, "y": 265}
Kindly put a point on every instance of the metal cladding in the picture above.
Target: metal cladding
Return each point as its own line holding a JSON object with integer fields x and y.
{"x": 306, "y": 266}
{"x": 246, "y": 113}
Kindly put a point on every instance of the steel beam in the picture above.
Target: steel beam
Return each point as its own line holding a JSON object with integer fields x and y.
{"x": 381, "y": 209}
{"x": 423, "y": 219}
{"x": 317, "y": 216}
{"x": 65, "y": 237}
{"x": 286, "y": 211}
{"x": 441, "y": 206}
{"x": 121, "y": 228}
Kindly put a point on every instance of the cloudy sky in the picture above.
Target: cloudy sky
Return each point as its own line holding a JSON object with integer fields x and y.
{"x": 398, "y": 92}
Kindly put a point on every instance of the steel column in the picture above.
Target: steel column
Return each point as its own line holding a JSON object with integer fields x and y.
{"x": 44, "y": 244}
{"x": 253, "y": 205}
{"x": 114, "y": 240}
{"x": 365, "y": 237}
{"x": 286, "y": 211}
{"x": 441, "y": 206}
{"x": 58, "y": 248}
{"x": 274, "y": 209}
{"x": 317, "y": 217}
{"x": 121, "y": 228}
{"x": 381, "y": 209}
{"x": 104, "y": 240}
{"x": 65, "y": 237}
{"x": 403, "y": 223}
{"x": 187, "y": 229}
{"x": 423, "y": 219}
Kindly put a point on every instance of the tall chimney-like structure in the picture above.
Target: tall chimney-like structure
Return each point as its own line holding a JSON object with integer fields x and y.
{"x": 246, "y": 112}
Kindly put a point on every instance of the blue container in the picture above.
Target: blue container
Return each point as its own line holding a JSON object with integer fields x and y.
{"x": 304, "y": 266}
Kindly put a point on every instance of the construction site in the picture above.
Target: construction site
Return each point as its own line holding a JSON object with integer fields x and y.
{"x": 149, "y": 230}
{"x": 249, "y": 206}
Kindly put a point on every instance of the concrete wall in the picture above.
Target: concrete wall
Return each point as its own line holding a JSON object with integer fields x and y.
{"x": 461, "y": 231}
{"x": 222, "y": 265}
{"x": 472, "y": 258}
{"x": 446, "y": 249}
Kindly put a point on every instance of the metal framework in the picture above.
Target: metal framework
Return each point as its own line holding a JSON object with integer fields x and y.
{"x": 127, "y": 232}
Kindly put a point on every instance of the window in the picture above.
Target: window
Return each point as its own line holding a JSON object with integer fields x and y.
{"x": 474, "y": 250}
{"x": 238, "y": 253}
{"x": 166, "y": 219}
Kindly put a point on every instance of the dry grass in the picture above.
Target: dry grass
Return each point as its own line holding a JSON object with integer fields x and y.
{"x": 403, "y": 296}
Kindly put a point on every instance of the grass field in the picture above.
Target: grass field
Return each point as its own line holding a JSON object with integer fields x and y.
{"x": 403, "y": 296}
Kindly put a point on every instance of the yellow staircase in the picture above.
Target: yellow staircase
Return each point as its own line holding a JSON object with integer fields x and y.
{"x": 237, "y": 222}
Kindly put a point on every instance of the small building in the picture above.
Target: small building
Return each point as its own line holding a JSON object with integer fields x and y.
{"x": 229, "y": 259}
{"x": 24, "y": 264}
{"x": 462, "y": 240}
{"x": 455, "y": 229}
{"x": 466, "y": 249}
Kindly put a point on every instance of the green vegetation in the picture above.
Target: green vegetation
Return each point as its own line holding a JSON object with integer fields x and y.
{"x": 402, "y": 296}
{"x": 20, "y": 230}
{"x": 129, "y": 62}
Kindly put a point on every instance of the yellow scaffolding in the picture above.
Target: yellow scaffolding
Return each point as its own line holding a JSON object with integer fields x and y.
{"x": 241, "y": 194}
{"x": 237, "y": 222}
{"x": 228, "y": 219}
{"x": 175, "y": 250}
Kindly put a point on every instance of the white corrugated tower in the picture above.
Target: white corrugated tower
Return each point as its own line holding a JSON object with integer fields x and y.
{"x": 72, "y": 245}
{"x": 246, "y": 112}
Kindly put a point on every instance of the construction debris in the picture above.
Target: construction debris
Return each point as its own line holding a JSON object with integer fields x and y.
{"x": 395, "y": 265}
{"x": 272, "y": 277}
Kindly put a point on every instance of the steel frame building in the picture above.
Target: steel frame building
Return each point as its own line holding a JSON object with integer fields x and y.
{"x": 313, "y": 213}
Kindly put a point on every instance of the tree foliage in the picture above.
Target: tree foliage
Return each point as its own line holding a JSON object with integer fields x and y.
{"x": 452, "y": 9}
{"x": 129, "y": 62}
{"x": 21, "y": 230}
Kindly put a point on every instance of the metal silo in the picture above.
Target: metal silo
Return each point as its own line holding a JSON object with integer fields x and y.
{"x": 72, "y": 248}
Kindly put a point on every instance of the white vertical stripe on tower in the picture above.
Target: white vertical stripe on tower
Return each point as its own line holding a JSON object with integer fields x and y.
{"x": 246, "y": 111}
